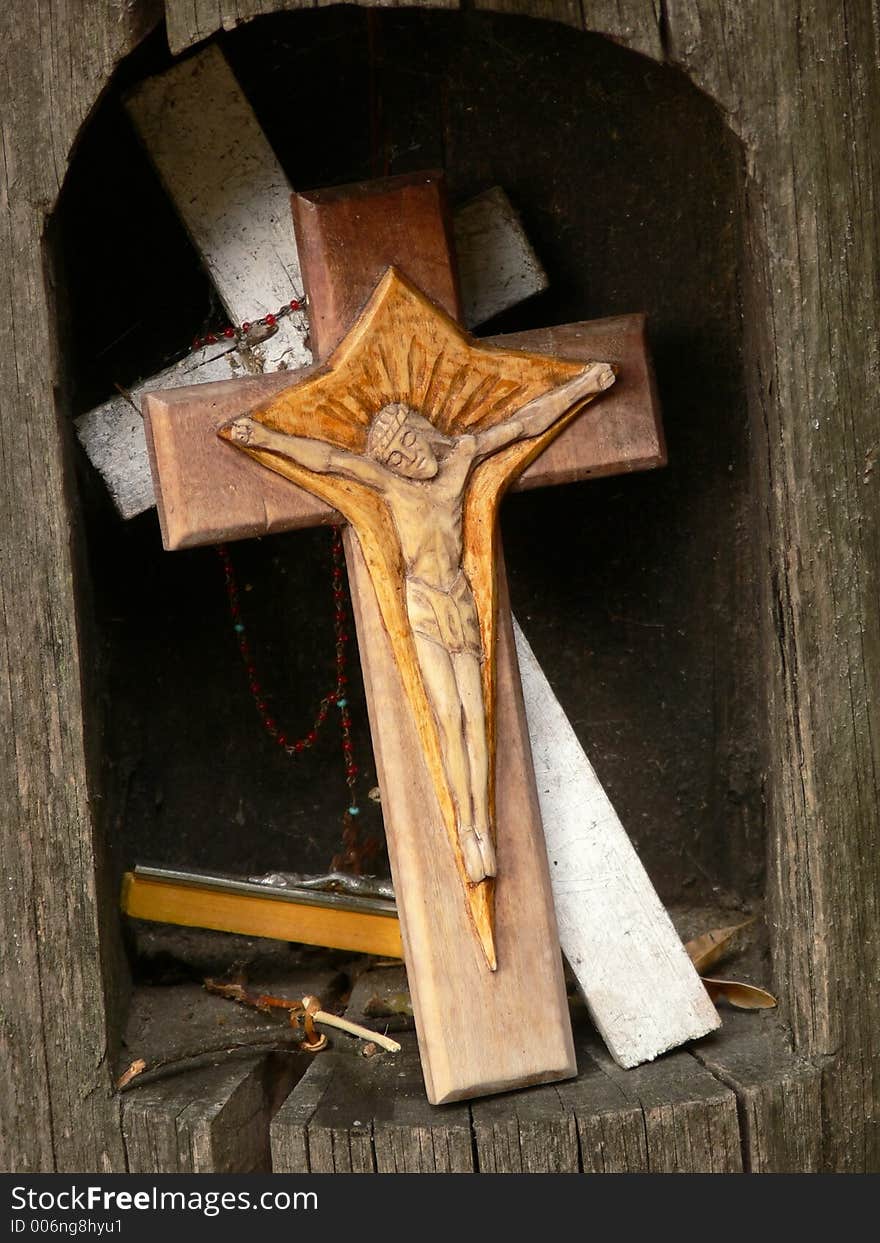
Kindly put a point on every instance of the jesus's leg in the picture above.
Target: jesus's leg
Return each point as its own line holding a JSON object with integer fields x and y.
{"x": 442, "y": 689}
{"x": 469, "y": 676}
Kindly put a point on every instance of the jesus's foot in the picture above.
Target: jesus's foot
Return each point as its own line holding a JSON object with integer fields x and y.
{"x": 479, "y": 856}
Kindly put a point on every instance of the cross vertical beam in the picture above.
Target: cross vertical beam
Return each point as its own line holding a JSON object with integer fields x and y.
{"x": 473, "y": 1032}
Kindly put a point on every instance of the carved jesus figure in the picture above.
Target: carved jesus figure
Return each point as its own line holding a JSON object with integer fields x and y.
{"x": 422, "y": 476}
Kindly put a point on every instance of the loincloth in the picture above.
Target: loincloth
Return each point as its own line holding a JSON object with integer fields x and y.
{"x": 448, "y": 618}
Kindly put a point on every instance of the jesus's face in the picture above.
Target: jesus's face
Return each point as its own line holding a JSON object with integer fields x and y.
{"x": 410, "y": 454}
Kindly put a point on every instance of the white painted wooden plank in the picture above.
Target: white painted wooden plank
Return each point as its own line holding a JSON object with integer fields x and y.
{"x": 113, "y": 434}
{"x": 497, "y": 266}
{"x": 229, "y": 190}
{"x": 637, "y": 980}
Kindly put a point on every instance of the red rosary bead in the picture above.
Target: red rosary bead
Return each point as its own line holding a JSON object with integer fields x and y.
{"x": 336, "y": 696}
{"x": 270, "y": 321}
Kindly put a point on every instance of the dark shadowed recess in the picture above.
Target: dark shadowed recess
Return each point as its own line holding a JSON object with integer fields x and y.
{"x": 637, "y": 592}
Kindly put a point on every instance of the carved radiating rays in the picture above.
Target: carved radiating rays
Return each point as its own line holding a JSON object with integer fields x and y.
{"x": 397, "y": 352}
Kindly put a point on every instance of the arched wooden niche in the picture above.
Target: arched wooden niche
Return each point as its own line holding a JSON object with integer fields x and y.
{"x": 811, "y": 349}
{"x": 629, "y": 186}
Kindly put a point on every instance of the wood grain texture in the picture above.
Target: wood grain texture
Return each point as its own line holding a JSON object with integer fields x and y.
{"x": 216, "y": 174}
{"x": 802, "y": 93}
{"x": 327, "y": 222}
{"x": 112, "y": 434}
{"x": 59, "y": 954}
{"x": 497, "y": 266}
{"x": 447, "y": 971}
{"x": 355, "y": 1114}
{"x": 637, "y": 980}
{"x": 191, "y": 21}
{"x": 566, "y": 11}
{"x": 637, "y": 24}
{"x": 690, "y": 1118}
{"x": 746, "y": 1103}
{"x": 806, "y": 110}
{"x": 212, "y": 1121}
{"x": 779, "y": 1095}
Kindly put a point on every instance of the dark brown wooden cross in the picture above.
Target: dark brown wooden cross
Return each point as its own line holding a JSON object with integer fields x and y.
{"x": 479, "y": 1031}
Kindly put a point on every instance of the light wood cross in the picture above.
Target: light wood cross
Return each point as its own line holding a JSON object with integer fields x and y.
{"x": 206, "y": 493}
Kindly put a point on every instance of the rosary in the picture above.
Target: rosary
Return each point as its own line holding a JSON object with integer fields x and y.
{"x": 356, "y": 854}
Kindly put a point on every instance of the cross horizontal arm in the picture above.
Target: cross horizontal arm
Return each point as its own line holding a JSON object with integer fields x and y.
{"x": 233, "y": 498}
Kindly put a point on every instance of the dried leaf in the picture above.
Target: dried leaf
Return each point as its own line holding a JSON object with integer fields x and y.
{"x": 136, "y": 1068}
{"x": 707, "y": 949}
{"x": 735, "y": 993}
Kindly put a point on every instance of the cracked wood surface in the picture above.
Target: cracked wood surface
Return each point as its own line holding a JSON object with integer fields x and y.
{"x": 741, "y": 1102}
{"x": 801, "y": 90}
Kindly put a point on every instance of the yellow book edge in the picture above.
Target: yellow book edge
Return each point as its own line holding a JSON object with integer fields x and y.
{"x": 281, "y": 917}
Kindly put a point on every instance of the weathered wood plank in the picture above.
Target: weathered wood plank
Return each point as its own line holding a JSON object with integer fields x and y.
{"x": 610, "y": 1126}
{"x": 497, "y": 266}
{"x": 690, "y": 1118}
{"x": 779, "y": 1095}
{"x": 191, "y": 21}
{"x": 566, "y": 11}
{"x": 59, "y": 953}
{"x": 352, "y": 1114}
{"x": 112, "y": 434}
{"x": 637, "y": 24}
{"x": 526, "y": 1133}
{"x": 800, "y": 87}
{"x": 210, "y": 1121}
{"x": 216, "y": 175}
{"x": 639, "y": 984}
{"x": 745, "y": 1093}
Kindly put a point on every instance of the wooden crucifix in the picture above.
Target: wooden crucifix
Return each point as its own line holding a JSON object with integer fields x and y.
{"x": 475, "y": 1034}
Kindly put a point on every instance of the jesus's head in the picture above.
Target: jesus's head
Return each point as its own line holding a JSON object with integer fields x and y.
{"x": 401, "y": 439}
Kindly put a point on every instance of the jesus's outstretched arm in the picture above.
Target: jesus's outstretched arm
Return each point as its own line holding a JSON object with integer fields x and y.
{"x": 542, "y": 412}
{"x": 314, "y": 455}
